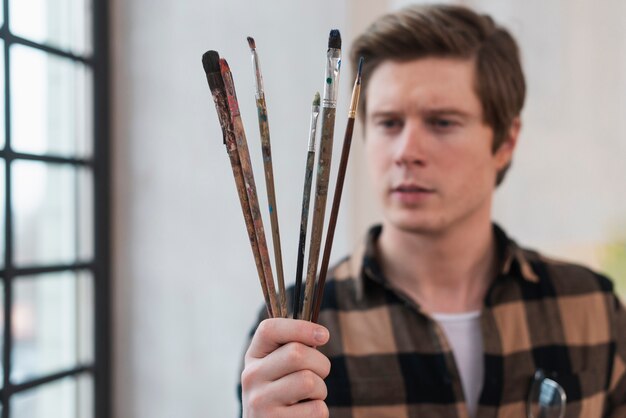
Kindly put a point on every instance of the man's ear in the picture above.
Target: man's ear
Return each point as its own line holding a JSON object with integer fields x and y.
{"x": 504, "y": 153}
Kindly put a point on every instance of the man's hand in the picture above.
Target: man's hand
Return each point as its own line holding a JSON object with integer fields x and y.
{"x": 284, "y": 374}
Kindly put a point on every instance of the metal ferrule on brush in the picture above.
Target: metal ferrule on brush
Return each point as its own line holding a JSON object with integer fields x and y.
{"x": 356, "y": 92}
{"x": 313, "y": 129}
{"x": 220, "y": 101}
{"x": 333, "y": 64}
{"x": 258, "y": 78}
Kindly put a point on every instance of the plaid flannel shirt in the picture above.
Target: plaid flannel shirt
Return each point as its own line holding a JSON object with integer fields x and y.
{"x": 390, "y": 359}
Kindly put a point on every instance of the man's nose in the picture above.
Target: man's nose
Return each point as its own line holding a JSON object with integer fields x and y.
{"x": 411, "y": 145}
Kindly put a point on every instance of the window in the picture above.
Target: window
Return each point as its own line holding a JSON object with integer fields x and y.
{"x": 54, "y": 210}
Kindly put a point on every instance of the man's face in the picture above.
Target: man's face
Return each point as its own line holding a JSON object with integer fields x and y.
{"x": 429, "y": 153}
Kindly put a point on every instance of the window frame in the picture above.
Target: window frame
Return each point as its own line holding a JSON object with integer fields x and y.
{"x": 99, "y": 267}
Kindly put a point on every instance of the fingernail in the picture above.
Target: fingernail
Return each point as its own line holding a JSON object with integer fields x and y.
{"x": 320, "y": 335}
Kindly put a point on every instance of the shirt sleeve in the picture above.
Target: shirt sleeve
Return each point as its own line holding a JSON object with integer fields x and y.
{"x": 617, "y": 387}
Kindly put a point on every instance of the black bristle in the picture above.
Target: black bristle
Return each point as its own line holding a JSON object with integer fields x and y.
{"x": 360, "y": 69}
{"x": 211, "y": 62}
{"x": 334, "y": 40}
{"x": 251, "y": 42}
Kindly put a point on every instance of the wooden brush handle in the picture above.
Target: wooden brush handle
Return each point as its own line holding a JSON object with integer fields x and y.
{"x": 245, "y": 208}
{"x": 332, "y": 223}
{"x": 248, "y": 175}
{"x": 225, "y": 119}
{"x": 319, "y": 208}
{"x": 271, "y": 197}
{"x": 304, "y": 223}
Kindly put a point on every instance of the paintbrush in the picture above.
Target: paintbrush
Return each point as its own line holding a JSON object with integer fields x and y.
{"x": 306, "y": 198}
{"x": 269, "y": 175}
{"x": 211, "y": 64}
{"x": 329, "y": 103}
{"x": 248, "y": 175}
{"x": 341, "y": 175}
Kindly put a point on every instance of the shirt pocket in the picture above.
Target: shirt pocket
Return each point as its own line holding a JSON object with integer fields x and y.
{"x": 585, "y": 392}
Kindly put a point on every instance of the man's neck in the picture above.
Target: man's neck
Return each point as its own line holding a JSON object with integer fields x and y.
{"x": 448, "y": 272}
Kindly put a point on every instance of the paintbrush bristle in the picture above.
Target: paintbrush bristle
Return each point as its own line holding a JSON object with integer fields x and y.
{"x": 251, "y": 42}
{"x": 211, "y": 62}
{"x": 334, "y": 40}
{"x": 359, "y": 70}
{"x": 316, "y": 99}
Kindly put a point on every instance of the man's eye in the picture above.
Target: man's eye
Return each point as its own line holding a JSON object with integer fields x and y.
{"x": 442, "y": 123}
{"x": 390, "y": 123}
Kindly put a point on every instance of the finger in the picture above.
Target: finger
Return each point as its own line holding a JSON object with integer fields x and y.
{"x": 298, "y": 386}
{"x": 275, "y": 332}
{"x": 285, "y": 360}
{"x": 309, "y": 409}
{"x": 291, "y": 358}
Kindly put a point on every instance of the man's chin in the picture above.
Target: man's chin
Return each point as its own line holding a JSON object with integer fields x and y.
{"x": 420, "y": 226}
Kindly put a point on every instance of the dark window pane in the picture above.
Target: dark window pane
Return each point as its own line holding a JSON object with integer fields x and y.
{"x": 1, "y": 330}
{"x": 52, "y": 324}
{"x": 52, "y": 208}
{"x": 2, "y": 91}
{"x": 51, "y": 104}
{"x": 67, "y": 398}
{"x": 65, "y": 24}
{"x": 2, "y": 206}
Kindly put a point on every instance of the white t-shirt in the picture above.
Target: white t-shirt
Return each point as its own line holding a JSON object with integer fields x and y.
{"x": 465, "y": 337}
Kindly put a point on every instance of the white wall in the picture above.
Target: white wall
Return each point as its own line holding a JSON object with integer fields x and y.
{"x": 567, "y": 191}
{"x": 186, "y": 290}
{"x": 185, "y": 283}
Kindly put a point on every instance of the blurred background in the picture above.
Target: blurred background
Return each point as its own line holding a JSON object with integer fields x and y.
{"x": 127, "y": 284}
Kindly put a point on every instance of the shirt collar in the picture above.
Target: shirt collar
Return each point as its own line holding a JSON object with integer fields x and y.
{"x": 511, "y": 258}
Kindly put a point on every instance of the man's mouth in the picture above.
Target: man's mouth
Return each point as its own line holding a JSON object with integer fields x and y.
{"x": 411, "y": 194}
{"x": 412, "y": 188}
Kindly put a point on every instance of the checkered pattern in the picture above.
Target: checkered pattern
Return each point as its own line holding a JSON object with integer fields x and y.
{"x": 389, "y": 359}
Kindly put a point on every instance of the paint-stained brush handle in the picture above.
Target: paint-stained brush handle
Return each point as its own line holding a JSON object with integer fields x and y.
{"x": 306, "y": 199}
{"x": 210, "y": 61}
{"x": 248, "y": 174}
{"x": 329, "y": 102}
{"x": 268, "y": 169}
{"x": 341, "y": 175}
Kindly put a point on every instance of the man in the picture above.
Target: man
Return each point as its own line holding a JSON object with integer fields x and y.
{"x": 441, "y": 314}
